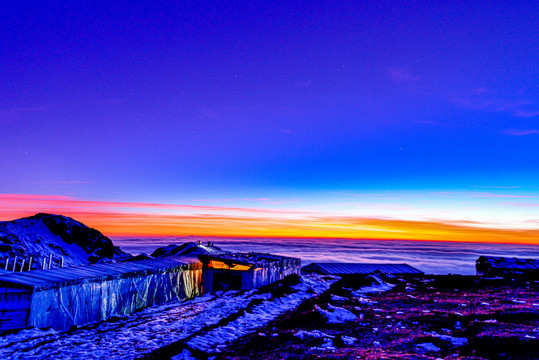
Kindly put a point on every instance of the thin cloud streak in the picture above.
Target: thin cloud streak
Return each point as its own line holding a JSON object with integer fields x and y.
{"x": 492, "y": 195}
{"x": 33, "y": 201}
{"x": 526, "y": 114}
{"x": 63, "y": 182}
{"x": 242, "y": 199}
{"x": 487, "y": 99}
{"x": 401, "y": 75}
{"x": 515, "y": 132}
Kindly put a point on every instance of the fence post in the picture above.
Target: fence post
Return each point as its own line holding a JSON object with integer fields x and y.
{"x": 44, "y": 261}
{"x": 50, "y": 261}
{"x": 7, "y": 264}
{"x": 22, "y": 265}
{"x": 30, "y": 263}
{"x": 14, "y": 264}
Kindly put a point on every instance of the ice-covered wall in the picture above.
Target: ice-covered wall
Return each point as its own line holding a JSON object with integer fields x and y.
{"x": 274, "y": 271}
{"x": 90, "y": 301}
{"x": 15, "y": 303}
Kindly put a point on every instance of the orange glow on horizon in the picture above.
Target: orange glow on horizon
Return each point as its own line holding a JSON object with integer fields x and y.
{"x": 145, "y": 225}
{"x": 112, "y": 221}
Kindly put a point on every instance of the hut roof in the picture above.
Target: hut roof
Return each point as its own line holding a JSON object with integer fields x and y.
{"x": 254, "y": 259}
{"x": 509, "y": 263}
{"x": 50, "y": 278}
{"x": 360, "y": 268}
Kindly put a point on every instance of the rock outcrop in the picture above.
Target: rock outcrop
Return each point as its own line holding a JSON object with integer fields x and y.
{"x": 43, "y": 235}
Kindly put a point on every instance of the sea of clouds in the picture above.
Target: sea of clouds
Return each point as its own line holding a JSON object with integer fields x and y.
{"x": 428, "y": 256}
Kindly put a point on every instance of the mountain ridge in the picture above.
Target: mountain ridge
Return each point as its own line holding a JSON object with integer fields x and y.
{"x": 43, "y": 235}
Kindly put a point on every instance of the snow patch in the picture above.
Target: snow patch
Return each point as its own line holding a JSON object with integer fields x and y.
{"x": 327, "y": 345}
{"x": 380, "y": 286}
{"x": 336, "y": 315}
{"x": 348, "y": 340}
{"x": 303, "y": 334}
{"x": 429, "y": 347}
{"x": 455, "y": 341}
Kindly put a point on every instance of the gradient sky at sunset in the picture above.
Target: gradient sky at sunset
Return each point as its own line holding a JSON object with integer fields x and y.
{"x": 384, "y": 119}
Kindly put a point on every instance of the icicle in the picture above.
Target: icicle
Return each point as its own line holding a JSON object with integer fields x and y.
{"x": 30, "y": 263}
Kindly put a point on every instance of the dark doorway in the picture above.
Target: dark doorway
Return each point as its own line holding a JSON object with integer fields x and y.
{"x": 227, "y": 280}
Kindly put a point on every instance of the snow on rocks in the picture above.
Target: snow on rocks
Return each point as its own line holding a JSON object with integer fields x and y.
{"x": 336, "y": 315}
{"x": 364, "y": 300}
{"x": 338, "y": 298}
{"x": 516, "y": 301}
{"x": 378, "y": 287}
{"x": 348, "y": 340}
{"x": 303, "y": 334}
{"x": 455, "y": 341}
{"x": 429, "y": 347}
{"x": 59, "y": 237}
{"x": 326, "y": 345}
{"x": 184, "y": 355}
{"x": 213, "y": 340}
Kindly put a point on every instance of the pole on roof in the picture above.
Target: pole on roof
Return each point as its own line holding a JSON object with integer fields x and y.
{"x": 30, "y": 263}
{"x": 7, "y": 264}
{"x": 50, "y": 261}
{"x": 22, "y": 265}
{"x": 14, "y": 264}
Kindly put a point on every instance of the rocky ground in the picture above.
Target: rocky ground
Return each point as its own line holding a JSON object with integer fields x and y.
{"x": 430, "y": 317}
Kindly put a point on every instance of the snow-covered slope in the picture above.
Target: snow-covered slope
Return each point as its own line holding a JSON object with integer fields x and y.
{"x": 202, "y": 325}
{"x": 42, "y": 235}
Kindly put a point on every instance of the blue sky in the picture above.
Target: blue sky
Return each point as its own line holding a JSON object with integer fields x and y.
{"x": 184, "y": 101}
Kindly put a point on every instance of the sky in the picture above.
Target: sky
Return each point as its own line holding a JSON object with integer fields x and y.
{"x": 395, "y": 120}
